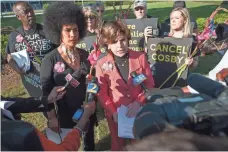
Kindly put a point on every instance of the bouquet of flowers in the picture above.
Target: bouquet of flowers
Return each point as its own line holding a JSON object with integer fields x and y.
{"x": 208, "y": 38}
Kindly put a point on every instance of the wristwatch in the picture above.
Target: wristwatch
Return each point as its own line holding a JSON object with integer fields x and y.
{"x": 82, "y": 133}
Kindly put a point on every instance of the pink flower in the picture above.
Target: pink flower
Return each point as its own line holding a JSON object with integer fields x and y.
{"x": 19, "y": 38}
{"x": 107, "y": 66}
{"x": 59, "y": 67}
{"x": 93, "y": 56}
{"x": 206, "y": 34}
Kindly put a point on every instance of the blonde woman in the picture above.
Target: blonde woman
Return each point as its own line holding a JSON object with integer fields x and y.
{"x": 92, "y": 20}
{"x": 180, "y": 27}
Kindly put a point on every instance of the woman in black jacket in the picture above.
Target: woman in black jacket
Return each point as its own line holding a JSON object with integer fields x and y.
{"x": 65, "y": 25}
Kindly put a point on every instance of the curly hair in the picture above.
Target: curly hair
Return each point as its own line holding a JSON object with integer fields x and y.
{"x": 60, "y": 13}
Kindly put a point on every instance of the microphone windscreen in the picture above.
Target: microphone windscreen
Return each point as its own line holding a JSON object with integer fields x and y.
{"x": 205, "y": 85}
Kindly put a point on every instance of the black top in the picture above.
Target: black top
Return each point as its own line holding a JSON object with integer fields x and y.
{"x": 19, "y": 136}
{"x": 27, "y": 105}
{"x": 122, "y": 64}
{"x": 36, "y": 39}
{"x": 40, "y": 46}
{"x": 53, "y": 72}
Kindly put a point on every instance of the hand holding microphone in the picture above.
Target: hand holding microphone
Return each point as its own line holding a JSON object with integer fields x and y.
{"x": 56, "y": 94}
{"x": 91, "y": 91}
{"x": 134, "y": 107}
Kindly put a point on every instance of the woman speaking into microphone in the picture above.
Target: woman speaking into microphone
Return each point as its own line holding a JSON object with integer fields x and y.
{"x": 113, "y": 71}
{"x": 65, "y": 25}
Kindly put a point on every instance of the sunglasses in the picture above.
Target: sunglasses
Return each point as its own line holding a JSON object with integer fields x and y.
{"x": 139, "y": 8}
{"x": 90, "y": 17}
{"x": 100, "y": 11}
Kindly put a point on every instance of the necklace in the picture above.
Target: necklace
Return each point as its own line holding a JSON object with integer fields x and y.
{"x": 122, "y": 64}
{"x": 71, "y": 54}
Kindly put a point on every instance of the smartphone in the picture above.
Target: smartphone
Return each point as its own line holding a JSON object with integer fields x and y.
{"x": 77, "y": 115}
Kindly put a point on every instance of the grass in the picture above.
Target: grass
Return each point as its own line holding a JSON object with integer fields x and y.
{"x": 199, "y": 10}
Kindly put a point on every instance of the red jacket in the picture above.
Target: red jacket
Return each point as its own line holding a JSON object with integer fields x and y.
{"x": 114, "y": 91}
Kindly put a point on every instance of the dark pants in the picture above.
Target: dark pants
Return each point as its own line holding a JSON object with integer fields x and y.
{"x": 89, "y": 144}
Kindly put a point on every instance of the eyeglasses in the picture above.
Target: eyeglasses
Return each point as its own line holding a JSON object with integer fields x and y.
{"x": 24, "y": 12}
{"x": 90, "y": 17}
{"x": 139, "y": 8}
{"x": 100, "y": 11}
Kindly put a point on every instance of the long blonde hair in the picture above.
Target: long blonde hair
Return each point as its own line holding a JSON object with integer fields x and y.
{"x": 90, "y": 11}
{"x": 187, "y": 25}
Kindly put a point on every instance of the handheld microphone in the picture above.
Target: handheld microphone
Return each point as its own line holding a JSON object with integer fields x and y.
{"x": 205, "y": 85}
{"x": 138, "y": 80}
{"x": 91, "y": 91}
{"x": 71, "y": 79}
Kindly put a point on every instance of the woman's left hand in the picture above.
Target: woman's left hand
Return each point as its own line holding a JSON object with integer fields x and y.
{"x": 133, "y": 109}
{"x": 189, "y": 61}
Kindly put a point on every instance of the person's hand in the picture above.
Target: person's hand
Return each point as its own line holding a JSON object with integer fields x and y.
{"x": 148, "y": 31}
{"x": 89, "y": 109}
{"x": 133, "y": 109}
{"x": 189, "y": 61}
{"x": 56, "y": 94}
{"x": 14, "y": 65}
{"x": 115, "y": 117}
{"x": 53, "y": 124}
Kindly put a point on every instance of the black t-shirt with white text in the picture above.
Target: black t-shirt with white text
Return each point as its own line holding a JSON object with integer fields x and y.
{"x": 34, "y": 38}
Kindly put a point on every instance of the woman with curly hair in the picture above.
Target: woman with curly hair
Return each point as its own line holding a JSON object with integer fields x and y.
{"x": 65, "y": 25}
{"x": 113, "y": 71}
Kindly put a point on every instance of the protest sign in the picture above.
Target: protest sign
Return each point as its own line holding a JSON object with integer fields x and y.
{"x": 31, "y": 80}
{"x": 86, "y": 43}
{"x": 137, "y": 27}
{"x": 165, "y": 56}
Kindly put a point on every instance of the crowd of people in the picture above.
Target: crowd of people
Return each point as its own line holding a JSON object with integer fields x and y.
{"x": 51, "y": 48}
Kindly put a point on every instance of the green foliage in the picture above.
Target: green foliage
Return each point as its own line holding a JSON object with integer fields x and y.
{"x": 4, "y": 40}
{"x": 45, "y": 6}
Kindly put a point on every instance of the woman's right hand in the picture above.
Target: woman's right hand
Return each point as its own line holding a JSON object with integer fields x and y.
{"x": 148, "y": 31}
{"x": 53, "y": 124}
